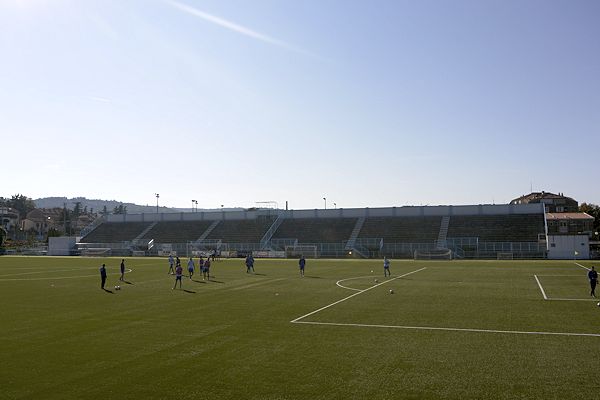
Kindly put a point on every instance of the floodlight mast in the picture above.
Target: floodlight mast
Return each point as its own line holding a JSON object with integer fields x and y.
{"x": 157, "y": 196}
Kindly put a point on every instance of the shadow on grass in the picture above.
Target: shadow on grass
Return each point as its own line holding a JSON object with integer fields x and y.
{"x": 259, "y": 274}
{"x": 197, "y": 281}
{"x": 212, "y": 280}
{"x": 188, "y": 291}
{"x": 127, "y": 282}
{"x": 108, "y": 291}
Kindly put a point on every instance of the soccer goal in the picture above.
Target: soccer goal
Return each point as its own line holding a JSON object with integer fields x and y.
{"x": 306, "y": 250}
{"x": 505, "y": 255}
{"x": 442, "y": 254}
{"x": 96, "y": 252}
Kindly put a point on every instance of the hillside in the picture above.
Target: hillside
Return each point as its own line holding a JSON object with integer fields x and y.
{"x": 97, "y": 205}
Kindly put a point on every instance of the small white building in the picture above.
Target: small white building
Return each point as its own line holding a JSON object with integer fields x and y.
{"x": 568, "y": 247}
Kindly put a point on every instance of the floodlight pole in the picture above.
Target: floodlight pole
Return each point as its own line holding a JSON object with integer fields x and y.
{"x": 157, "y": 196}
{"x": 335, "y": 205}
{"x": 325, "y": 200}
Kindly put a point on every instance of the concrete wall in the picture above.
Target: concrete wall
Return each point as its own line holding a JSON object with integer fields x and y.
{"x": 563, "y": 247}
{"x": 61, "y": 246}
{"x": 408, "y": 211}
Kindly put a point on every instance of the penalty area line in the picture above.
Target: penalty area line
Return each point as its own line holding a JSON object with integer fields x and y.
{"x": 355, "y": 294}
{"x": 433, "y": 328}
{"x": 541, "y": 288}
{"x": 582, "y": 266}
{"x": 128, "y": 270}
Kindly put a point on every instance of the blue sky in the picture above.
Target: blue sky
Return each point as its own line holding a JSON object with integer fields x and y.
{"x": 366, "y": 103}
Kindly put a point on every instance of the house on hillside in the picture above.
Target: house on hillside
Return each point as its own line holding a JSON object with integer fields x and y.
{"x": 554, "y": 203}
{"x": 36, "y": 221}
{"x": 9, "y": 219}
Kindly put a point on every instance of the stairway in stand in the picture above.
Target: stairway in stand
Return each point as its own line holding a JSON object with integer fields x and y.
{"x": 441, "y": 242}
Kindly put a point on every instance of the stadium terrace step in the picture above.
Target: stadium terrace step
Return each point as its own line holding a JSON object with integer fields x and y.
{"x": 176, "y": 231}
{"x": 113, "y": 232}
{"x": 241, "y": 231}
{"x": 316, "y": 230}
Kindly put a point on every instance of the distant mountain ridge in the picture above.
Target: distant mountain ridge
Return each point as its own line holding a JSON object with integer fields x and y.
{"x": 97, "y": 205}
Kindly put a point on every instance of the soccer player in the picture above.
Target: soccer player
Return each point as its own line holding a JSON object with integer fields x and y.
{"x": 206, "y": 273}
{"x": 103, "y": 275}
{"x": 301, "y": 264}
{"x": 201, "y": 267}
{"x": 249, "y": 263}
{"x": 593, "y": 277}
{"x": 386, "y": 267}
{"x": 191, "y": 267}
{"x": 171, "y": 263}
{"x": 122, "y": 278}
{"x": 178, "y": 274}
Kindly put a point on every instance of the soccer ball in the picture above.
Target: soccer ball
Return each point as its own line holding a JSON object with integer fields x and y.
{"x": 376, "y": 281}
{"x": 117, "y": 287}
{"x": 371, "y": 271}
{"x": 391, "y": 291}
{"x": 598, "y": 304}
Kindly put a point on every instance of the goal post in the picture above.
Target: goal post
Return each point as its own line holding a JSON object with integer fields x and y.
{"x": 306, "y": 250}
{"x": 504, "y": 255}
{"x": 96, "y": 252}
{"x": 442, "y": 254}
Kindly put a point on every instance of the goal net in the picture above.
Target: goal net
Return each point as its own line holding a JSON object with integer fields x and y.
{"x": 443, "y": 254}
{"x": 306, "y": 250}
{"x": 96, "y": 252}
{"x": 505, "y": 256}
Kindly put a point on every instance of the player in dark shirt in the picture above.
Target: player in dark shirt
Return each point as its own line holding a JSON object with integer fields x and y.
{"x": 249, "y": 263}
{"x": 122, "y": 278}
{"x": 301, "y": 264}
{"x": 593, "y": 277}
{"x": 206, "y": 273}
{"x": 103, "y": 275}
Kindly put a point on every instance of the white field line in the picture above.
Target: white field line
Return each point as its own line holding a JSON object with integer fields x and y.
{"x": 251, "y": 285}
{"x": 355, "y": 294}
{"x": 432, "y": 328}
{"x": 43, "y": 272}
{"x": 584, "y": 267}
{"x": 557, "y": 298}
{"x": 349, "y": 279}
{"x": 128, "y": 270}
{"x": 561, "y": 299}
{"x": 541, "y": 288}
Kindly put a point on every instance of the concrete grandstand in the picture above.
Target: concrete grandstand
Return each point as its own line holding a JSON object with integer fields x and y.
{"x": 476, "y": 231}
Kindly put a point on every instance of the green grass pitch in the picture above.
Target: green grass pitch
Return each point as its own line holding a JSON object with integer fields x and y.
{"x": 450, "y": 330}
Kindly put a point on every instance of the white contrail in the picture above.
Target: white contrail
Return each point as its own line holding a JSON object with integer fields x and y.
{"x": 230, "y": 25}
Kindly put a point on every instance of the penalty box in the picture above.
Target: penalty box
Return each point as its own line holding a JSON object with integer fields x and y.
{"x": 508, "y": 307}
{"x": 564, "y": 287}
